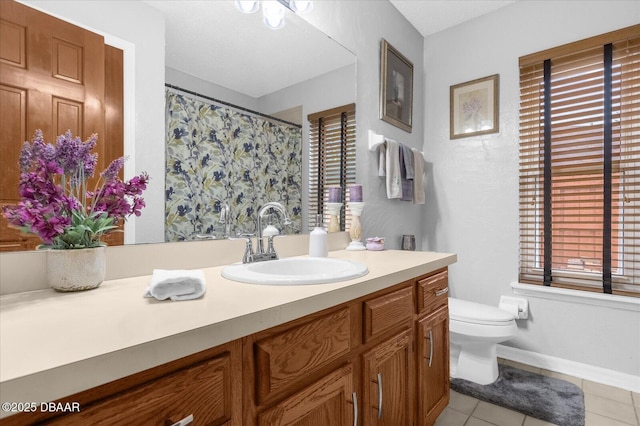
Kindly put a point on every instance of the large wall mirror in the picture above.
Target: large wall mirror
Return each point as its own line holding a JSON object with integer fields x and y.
{"x": 215, "y": 51}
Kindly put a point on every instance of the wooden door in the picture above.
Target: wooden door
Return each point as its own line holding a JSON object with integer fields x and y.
{"x": 52, "y": 77}
{"x": 112, "y": 138}
{"x": 388, "y": 376}
{"x": 327, "y": 402}
{"x": 433, "y": 365}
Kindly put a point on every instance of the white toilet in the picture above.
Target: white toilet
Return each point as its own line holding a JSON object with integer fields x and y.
{"x": 474, "y": 331}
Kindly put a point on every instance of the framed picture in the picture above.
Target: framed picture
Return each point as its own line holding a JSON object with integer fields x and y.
{"x": 474, "y": 107}
{"x": 396, "y": 87}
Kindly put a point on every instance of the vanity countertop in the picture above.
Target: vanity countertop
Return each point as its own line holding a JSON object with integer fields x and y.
{"x": 56, "y": 344}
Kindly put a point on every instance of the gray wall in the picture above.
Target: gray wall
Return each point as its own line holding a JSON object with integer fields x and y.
{"x": 360, "y": 26}
{"x": 473, "y": 193}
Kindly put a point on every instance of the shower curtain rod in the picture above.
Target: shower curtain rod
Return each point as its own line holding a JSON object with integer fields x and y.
{"x": 171, "y": 86}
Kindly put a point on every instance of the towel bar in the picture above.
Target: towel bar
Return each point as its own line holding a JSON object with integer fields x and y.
{"x": 376, "y": 140}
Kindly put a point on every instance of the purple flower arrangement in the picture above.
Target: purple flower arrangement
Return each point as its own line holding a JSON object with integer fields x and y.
{"x": 56, "y": 204}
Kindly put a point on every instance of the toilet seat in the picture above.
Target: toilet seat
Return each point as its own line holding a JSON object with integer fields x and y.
{"x": 476, "y": 313}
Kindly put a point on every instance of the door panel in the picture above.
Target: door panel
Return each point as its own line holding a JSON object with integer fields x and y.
{"x": 113, "y": 136}
{"x": 52, "y": 77}
{"x": 388, "y": 382}
{"x": 327, "y": 402}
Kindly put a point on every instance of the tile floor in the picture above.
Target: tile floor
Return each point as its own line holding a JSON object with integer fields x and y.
{"x": 604, "y": 406}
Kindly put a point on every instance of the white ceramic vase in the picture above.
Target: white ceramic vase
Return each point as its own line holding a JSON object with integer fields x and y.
{"x": 355, "y": 232}
{"x": 76, "y": 269}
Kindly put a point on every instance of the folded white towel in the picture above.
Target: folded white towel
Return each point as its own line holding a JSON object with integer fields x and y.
{"x": 176, "y": 284}
{"x": 418, "y": 178}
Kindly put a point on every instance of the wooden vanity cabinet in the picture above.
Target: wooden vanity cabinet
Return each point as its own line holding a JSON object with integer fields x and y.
{"x": 432, "y": 344}
{"x": 382, "y": 359}
{"x": 337, "y": 365}
{"x": 203, "y": 387}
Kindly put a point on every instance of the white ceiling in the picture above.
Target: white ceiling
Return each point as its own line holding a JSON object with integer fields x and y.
{"x": 431, "y": 16}
{"x": 213, "y": 41}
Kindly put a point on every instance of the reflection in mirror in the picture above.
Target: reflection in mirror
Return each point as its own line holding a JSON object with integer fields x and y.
{"x": 218, "y": 52}
{"x": 224, "y": 164}
{"x": 219, "y": 155}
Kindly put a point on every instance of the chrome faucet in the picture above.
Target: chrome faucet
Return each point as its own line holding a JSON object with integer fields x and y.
{"x": 225, "y": 217}
{"x": 260, "y": 254}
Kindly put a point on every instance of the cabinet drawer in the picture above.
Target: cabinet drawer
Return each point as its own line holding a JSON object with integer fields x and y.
{"x": 433, "y": 292}
{"x": 387, "y": 312}
{"x": 286, "y": 357}
{"x": 203, "y": 391}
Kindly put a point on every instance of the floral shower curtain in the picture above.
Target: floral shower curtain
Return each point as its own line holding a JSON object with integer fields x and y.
{"x": 217, "y": 155}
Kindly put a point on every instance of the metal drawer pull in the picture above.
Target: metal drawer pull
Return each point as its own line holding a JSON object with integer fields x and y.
{"x": 431, "y": 347}
{"x": 379, "y": 396}
{"x": 355, "y": 409}
{"x": 184, "y": 422}
{"x": 443, "y": 291}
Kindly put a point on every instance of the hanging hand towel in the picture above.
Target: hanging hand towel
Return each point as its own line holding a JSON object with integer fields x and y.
{"x": 394, "y": 181}
{"x": 406, "y": 172}
{"x": 409, "y": 165}
{"x": 176, "y": 284}
{"x": 382, "y": 160}
{"x": 418, "y": 178}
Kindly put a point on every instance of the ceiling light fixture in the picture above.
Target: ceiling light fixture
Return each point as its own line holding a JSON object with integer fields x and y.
{"x": 273, "y": 10}
{"x": 273, "y": 14}
{"x": 301, "y": 6}
{"x": 247, "y": 6}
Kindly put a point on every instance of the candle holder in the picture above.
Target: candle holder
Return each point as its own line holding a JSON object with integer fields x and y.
{"x": 334, "y": 214}
{"x": 355, "y": 232}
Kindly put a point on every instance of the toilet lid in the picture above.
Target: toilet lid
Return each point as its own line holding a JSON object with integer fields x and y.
{"x": 463, "y": 310}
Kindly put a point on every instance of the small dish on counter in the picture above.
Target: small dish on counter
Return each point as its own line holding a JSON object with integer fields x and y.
{"x": 375, "y": 243}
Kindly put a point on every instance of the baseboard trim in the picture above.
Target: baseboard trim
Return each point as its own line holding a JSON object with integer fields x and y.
{"x": 571, "y": 368}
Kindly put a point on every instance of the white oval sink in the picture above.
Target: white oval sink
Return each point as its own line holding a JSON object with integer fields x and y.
{"x": 296, "y": 271}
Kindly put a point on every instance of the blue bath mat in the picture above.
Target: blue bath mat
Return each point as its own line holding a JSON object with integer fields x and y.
{"x": 546, "y": 398}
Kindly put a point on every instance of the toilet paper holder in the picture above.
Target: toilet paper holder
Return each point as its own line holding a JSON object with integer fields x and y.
{"x": 518, "y": 306}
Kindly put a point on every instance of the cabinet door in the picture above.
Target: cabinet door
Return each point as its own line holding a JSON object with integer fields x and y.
{"x": 330, "y": 401}
{"x": 389, "y": 382}
{"x": 433, "y": 365}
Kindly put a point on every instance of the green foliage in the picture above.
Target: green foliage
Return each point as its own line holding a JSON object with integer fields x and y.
{"x": 85, "y": 231}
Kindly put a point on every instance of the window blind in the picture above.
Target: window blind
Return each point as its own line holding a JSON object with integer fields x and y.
{"x": 580, "y": 159}
{"x": 332, "y": 156}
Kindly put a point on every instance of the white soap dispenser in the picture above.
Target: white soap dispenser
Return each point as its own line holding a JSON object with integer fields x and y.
{"x": 318, "y": 240}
